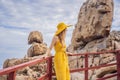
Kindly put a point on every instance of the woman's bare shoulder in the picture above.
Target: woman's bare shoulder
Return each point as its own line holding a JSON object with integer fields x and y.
{"x": 55, "y": 38}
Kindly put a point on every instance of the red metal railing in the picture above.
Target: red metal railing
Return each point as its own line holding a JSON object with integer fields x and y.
{"x": 86, "y": 68}
{"x": 11, "y": 71}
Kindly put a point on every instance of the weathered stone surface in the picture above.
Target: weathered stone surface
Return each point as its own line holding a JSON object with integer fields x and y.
{"x": 16, "y": 61}
{"x": 77, "y": 76}
{"x": 37, "y": 49}
{"x": 113, "y": 78}
{"x": 11, "y": 62}
{"x": 28, "y": 73}
{"x": 3, "y": 77}
{"x": 106, "y": 70}
{"x": 94, "y": 22}
{"x": 35, "y": 36}
{"x": 23, "y": 77}
{"x": 112, "y": 42}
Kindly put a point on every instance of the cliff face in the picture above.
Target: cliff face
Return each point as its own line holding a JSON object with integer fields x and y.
{"x": 92, "y": 34}
{"x": 94, "y": 22}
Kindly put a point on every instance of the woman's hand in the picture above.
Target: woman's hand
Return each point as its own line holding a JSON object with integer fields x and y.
{"x": 47, "y": 54}
{"x": 69, "y": 54}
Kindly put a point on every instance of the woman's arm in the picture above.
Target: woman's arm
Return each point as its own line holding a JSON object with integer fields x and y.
{"x": 69, "y": 53}
{"x": 51, "y": 46}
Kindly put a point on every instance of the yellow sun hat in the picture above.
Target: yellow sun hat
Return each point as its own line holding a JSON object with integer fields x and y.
{"x": 60, "y": 27}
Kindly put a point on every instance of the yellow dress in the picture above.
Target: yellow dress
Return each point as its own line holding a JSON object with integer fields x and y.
{"x": 61, "y": 62}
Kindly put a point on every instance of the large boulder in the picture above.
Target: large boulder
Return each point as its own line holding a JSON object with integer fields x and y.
{"x": 35, "y": 36}
{"x": 94, "y": 22}
{"x": 77, "y": 76}
{"x": 37, "y": 49}
{"x": 112, "y": 42}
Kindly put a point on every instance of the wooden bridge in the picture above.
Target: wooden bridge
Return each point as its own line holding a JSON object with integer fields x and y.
{"x": 11, "y": 71}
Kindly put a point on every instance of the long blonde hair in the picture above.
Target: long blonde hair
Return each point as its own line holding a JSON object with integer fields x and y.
{"x": 61, "y": 36}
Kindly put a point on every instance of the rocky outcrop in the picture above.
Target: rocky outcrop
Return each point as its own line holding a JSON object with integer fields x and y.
{"x": 30, "y": 73}
{"x": 92, "y": 34}
{"x": 94, "y": 22}
{"x": 35, "y": 36}
{"x": 37, "y": 46}
{"x": 77, "y": 76}
{"x": 112, "y": 42}
{"x": 36, "y": 51}
{"x": 106, "y": 70}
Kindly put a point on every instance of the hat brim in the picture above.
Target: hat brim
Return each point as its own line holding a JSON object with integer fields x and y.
{"x": 59, "y": 31}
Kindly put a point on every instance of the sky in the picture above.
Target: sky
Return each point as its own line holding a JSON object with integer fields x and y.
{"x": 19, "y": 17}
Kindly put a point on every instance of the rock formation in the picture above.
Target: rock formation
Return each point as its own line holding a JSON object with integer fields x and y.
{"x": 38, "y": 47}
{"x": 30, "y": 73}
{"x": 94, "y": 22}
{"x": 37, "y": 50}
{"x": 35, "y": 36}
{"x": 92, "y": 34}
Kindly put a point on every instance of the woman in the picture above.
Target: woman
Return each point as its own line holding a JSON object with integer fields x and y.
{"x": 60, "y": 59}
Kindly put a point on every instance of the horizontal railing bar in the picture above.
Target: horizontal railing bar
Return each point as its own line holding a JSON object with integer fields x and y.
{"x": 77, "y": 70}
{"x": 113, "y": 75}
{"x": 105, "y": 65}
{"x": 43, "y": 76}
{"x": 16, "y": 67}
{"x": 96, "y": 67}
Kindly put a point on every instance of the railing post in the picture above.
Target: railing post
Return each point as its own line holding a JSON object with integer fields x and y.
{"x": 11, "y": 76}
{"x": 118, "y": 64}
{"x": 49, "y": 68}
{"x": 86, "y": 66}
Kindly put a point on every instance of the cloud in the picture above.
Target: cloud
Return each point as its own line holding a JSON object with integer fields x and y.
{"x": 116, "y": 17}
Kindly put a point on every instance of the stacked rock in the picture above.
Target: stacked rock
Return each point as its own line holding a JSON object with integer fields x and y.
{"x": 35, "y": 39}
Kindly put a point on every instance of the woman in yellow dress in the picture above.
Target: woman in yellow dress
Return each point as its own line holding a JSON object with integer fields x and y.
{"x": 60, "y": 58}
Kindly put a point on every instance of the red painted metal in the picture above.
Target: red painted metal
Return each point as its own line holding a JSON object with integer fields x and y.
{"x": 86, "y": 66}
{"x": 89, "y": 68}
{"x": 118, "y": 64}
{"x": 49, "y": 68}
{"x": 11, "y": 71}
{"x": 15, "y": 68}
{"x": 11, "y": 76}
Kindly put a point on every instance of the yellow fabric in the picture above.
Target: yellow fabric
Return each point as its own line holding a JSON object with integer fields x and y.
{"x": 61, "y": 62}
{"x": 60, "y": 27}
